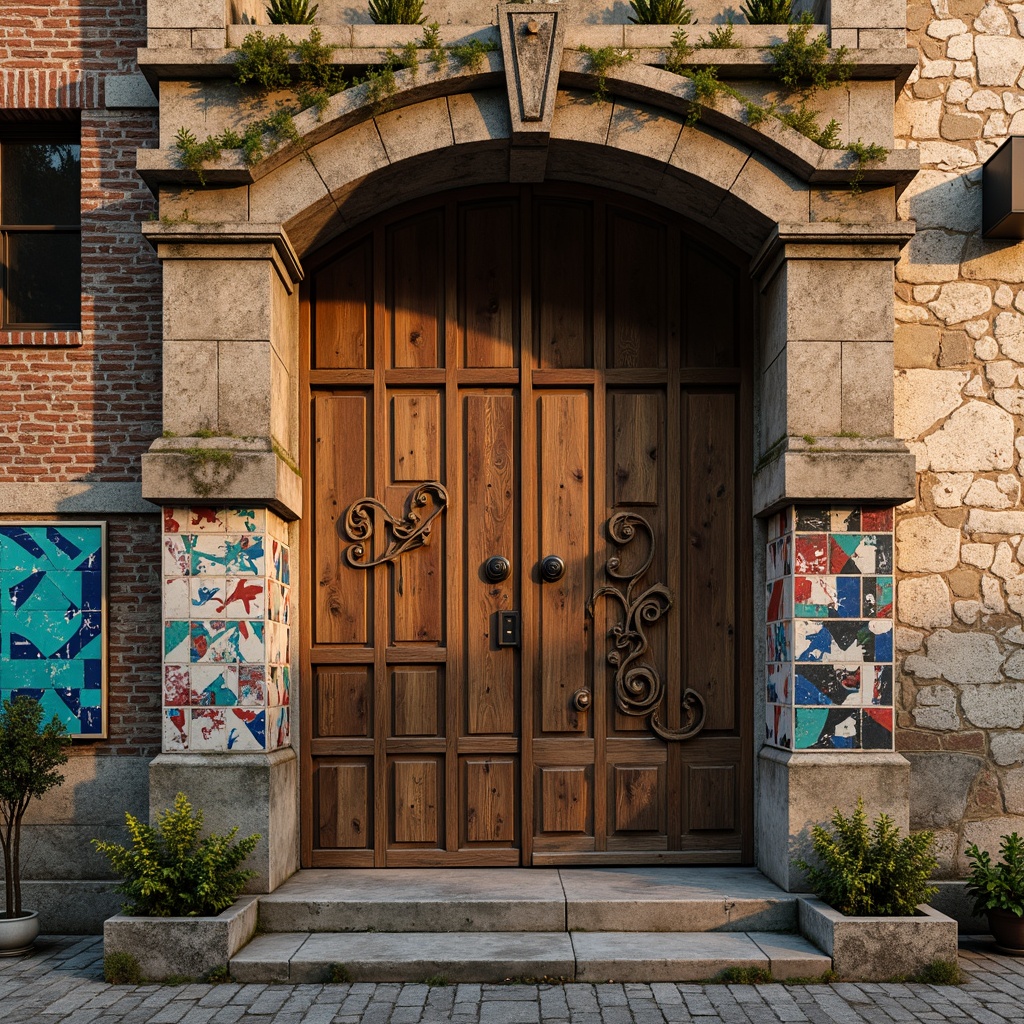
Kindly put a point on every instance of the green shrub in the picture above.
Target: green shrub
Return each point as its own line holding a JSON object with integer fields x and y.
{"x": 397, "y": 12}
{"x": 263, "y": 61}
{"x": 291, "y": 12}
{"x": 121, "y": 969}
{"x": 804, "y": 66}
{"x": 660, "y": 12}
{"x": 864, "y": 871}
{"x": 601, "y": 62}
{"x": 998, "y": 886}
{"x": 169, "y": 871}
{"x": 768, "y": 12}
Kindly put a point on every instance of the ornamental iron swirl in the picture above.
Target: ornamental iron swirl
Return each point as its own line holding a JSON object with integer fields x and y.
{"x": 639, "y": 688}
{"x": 410, "y": 532}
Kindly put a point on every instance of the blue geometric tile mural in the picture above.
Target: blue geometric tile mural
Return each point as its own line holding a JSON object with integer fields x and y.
{"x": 52, "y": 621}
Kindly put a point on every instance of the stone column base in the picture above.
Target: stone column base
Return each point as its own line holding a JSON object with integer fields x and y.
{"x": 256, "y": 792}
{"x": 797, "y": 790}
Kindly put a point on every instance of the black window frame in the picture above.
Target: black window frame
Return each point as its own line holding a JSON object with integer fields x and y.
{"x": 47, "y": 132}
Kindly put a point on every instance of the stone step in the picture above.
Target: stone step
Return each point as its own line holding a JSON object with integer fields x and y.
{"x": 650, "y": 899}
{"x": 441, "y": 957}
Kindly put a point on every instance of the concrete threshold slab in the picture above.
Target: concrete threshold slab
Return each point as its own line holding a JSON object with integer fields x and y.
{"x": 416, "y": 900}
{"x": 500, "y": 956}
{"x": 657, "y": 899}
{"x": 681, "y": 956}
{"x": 416, "y": 956}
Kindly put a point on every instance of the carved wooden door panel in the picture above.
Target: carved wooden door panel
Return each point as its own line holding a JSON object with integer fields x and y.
{"x": 507, "y": 393}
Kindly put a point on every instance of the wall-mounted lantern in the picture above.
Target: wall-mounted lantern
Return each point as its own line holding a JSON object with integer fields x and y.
{"x": 1002, "y": 191}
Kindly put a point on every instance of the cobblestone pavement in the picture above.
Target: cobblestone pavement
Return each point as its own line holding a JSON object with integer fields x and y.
{"x": 64, "y": 982}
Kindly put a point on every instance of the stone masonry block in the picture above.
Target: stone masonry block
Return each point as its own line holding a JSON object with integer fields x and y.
{"x": 814, "y": 388}
{"x": 190, "y": 386}
{"x": 772, "y": 190}
{"x": 244, "y": 387}
{"x": 867, "y": 401}
{"x": 826, "y": 300}
{"x": 870, "y": 113}
{"x": 218, "y": 298}
{"x": 868, "y": 14}
{"x": 349, "y": 156}
{"x": 874, "y": 38}
{"x": 168, "y": 38}
{"x": 187, "y": 14}
{"x": 421, "y": 128}
{"x": 208, "y": 38}
{"x": 844, "y": 37}
{"x": 289, "y": 191}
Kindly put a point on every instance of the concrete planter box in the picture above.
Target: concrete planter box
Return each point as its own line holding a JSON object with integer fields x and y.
{"x": 878, "y": 948}
{"x": 186, "y": 947}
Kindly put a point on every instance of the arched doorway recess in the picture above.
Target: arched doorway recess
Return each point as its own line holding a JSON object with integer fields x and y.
{"x": 553, "y": 357}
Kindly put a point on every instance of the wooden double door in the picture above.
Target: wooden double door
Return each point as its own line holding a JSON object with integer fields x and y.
{"x": 525, "y": 624}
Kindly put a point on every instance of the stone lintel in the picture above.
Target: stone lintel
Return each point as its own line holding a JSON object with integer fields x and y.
{"x": 799, "y": 789}
{"x": 186, "y": 241}
{"x": 874, "y": 471}
{"x": 256, "y": 792}
{"x": 74, "y": 497}
{"x": 825, "y": 241}
{"x": 175, "y": 471}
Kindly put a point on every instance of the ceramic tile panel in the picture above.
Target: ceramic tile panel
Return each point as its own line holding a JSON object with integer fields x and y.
{"x": 829, "y": 614}
{"x": 227, "y": 613}
{"x": 53, "y": 621}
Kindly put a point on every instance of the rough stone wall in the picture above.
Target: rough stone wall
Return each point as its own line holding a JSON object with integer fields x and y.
{"x": 960, "y": 403}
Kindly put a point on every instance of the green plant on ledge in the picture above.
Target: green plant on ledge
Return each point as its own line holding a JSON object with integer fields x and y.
{"x": 870, "y": 871}
{"x": 721, "y": 38}
{"x": 768, "y": 12}
{"x": 169, "y": 871}
{"x": 660, "y": 12}
{"x": 601, "y": 61}
{"x": 291, "y": 12}
{"x": 397, "y": 12}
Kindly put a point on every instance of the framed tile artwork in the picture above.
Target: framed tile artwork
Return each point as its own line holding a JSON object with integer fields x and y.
{"x": 53, "y": 620}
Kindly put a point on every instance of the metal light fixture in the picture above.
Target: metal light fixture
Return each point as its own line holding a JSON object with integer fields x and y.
{"x": 1002, "y": 190}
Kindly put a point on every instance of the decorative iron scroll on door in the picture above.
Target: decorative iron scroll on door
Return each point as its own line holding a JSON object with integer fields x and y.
{"x": 639, "y": 688}
{"x": 410, "y": 532}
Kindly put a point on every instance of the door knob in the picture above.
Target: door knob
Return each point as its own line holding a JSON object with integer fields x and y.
{"x": 497, "y": 569}
{"x": 581, "y": 700}
{"x": 552, "y": 569}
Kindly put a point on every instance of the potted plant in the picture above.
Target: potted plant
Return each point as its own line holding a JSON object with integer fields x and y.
{"x": 30, "y": 757}
{"x": 873, "y": 886}
{"x": 183, "y": 916}
{"x": 998, "y": 889}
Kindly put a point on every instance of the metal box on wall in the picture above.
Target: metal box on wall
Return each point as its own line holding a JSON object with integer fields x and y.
{"x": 1003, "y": 191}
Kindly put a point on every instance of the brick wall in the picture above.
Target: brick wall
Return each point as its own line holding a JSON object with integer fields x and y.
{"x": 84, "y": 406}
{"x": 959, "y": 402}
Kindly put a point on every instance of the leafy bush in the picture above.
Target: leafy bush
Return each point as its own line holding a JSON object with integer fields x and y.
{"x": 768, "y": 12}
{"x": 660, "y": 12}
{"x": 806, "y": 66}
{"x": 601, "y": 61}
{"x": 397, "y": 12}
{"x": 263, "y": 61}
{"x": 998, "y": 886}
{"x": 169, "y": 871}
{"x": 870, "y": 871}
{"x": 291, "y": 12}
{"x": 29, "y": 759}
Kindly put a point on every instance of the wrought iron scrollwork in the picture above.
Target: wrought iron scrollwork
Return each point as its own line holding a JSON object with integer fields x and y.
{"x": 408, "y": 533}
{"x": 639, "y": 688}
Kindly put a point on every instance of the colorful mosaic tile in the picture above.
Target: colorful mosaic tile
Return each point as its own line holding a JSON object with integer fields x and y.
{"x": 226, "y": 629}
{"x": 52, "y": 620}
{"x": 829, "y": 652}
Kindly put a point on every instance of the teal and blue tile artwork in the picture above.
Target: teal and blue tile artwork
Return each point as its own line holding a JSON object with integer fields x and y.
{"x": 829, "y": 613}
{"x": 53, "y": 619}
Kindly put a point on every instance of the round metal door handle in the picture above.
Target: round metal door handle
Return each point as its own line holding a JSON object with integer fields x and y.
{"x": 581, "y": 700}
{"x": 552, "y": 569}
{"x": 497, "y": 569}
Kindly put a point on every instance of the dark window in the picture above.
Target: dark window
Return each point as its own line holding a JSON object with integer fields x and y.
{"x": 40, "y": 227}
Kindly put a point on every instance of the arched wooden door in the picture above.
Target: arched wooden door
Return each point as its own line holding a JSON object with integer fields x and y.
{"x": 530, "y": 374}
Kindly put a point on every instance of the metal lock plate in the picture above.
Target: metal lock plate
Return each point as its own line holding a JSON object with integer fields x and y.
{"x": 509, "y": 629}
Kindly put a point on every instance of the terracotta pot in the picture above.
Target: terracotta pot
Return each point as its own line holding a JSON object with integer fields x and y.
{"x": 18, "y": 933}
{"x": 1008, "y": 931}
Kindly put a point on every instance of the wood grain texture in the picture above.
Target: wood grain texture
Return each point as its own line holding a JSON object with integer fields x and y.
{"x": 343, "y": 310}
{"x": 639, "y": 798}
{"x": 712, "y": 797}
{"x": 344, "y": 806}
{"x": 489, "y": 801}
{"x": 489, "y": 529}
{"x": 344, "y": 701}
{"x": 637, "y": 427}
{"x": 416, "y": 437}
{"x": 415, "y": 290}
{"x": 417, "y": 699}
{"x": 564, "y": 799}
{"x": 563, "y": 284}
{"x": 636, "y": 291}
{"x": 341, "y": 444}
{"x": 415, "y": 810}
{"x": 417, "y": 580}
{"x": 488, "y": 317}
